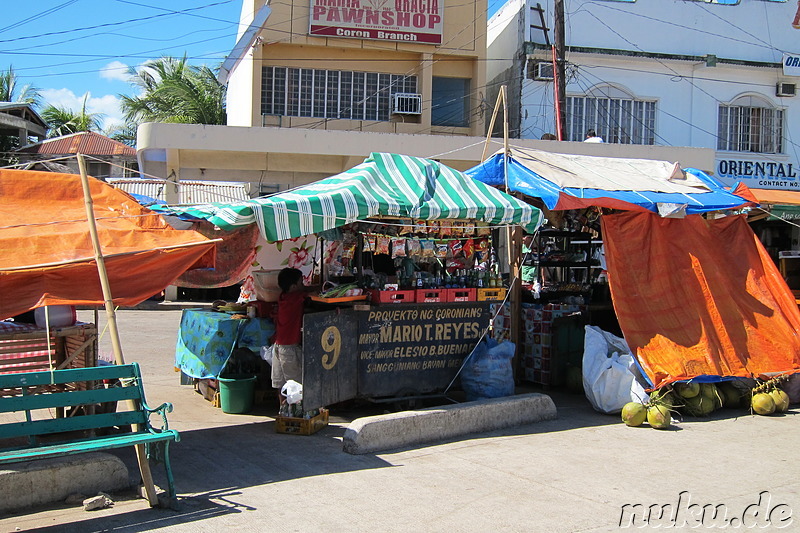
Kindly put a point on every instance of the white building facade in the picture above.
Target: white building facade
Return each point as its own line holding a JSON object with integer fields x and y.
{"x": 717, "y": 74}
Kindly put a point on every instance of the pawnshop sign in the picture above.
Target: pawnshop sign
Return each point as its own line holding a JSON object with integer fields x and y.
{"x": 418, "y": 21}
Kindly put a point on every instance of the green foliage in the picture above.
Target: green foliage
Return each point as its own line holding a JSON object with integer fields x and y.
{"x": 173, "y": 91}
{"x": 11, "y": 91}
{"x": 63, "y": 121}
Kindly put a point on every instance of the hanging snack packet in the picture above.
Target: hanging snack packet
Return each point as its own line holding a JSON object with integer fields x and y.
{"x": 382, "y": 245}
{"x": 469, "y": 248}
{"x": 369, "y": 243}
{"x": 349, "y": 249}
{"x": 414, "y": 248}
{"x": 441, "y": 250}
{"x": 455, "y": 248}
{"x": 427, "y": 247}
{"x": 469, "y": 229}
{"x": 420, "y": 226}
{"x": 398, "y": 248}
{"x": 406, "y": 227}
{"x": 484, "y": 230}
{"x": 445, "y": 228}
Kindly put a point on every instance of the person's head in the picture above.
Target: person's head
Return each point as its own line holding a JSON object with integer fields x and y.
{"x": 591, "y": 133}
{"x": 288, "y": 278}
{"x": 549, "y": 137}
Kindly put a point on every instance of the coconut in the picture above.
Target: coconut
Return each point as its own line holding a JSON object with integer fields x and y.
{"x": 687, "y": 390}
{"x": 658, "y": 416}
{"x": 731, "y": 395}
{"x": 763, "y": 404}
{"x": 698, "y": 405}
{"x": 663, "y": 396}
{"x": 781, "y": 400}
{"x": 634, "y": 414}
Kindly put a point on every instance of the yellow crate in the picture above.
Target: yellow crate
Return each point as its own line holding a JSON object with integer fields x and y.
{"x": 301, "y": 426}
{"x": 493, "y": 294}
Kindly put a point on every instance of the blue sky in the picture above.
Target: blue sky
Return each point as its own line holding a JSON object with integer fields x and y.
{"x": 71, "y": 48}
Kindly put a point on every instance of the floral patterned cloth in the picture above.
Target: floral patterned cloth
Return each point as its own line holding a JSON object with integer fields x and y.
{"x": 293, "y": 253}
{"x": 206, "y": 339}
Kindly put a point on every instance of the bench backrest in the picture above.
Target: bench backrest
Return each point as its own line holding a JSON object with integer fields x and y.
{"x": 38, "y": 394}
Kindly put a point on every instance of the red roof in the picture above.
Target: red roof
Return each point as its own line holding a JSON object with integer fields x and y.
{"x": 85, "y": 142}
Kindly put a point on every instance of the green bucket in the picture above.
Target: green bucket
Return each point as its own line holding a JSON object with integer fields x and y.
{"x": 236, "y": 393}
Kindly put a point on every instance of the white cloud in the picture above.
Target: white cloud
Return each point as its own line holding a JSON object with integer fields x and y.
{"x": 116, "y": 70}
{"x": 108, "y": 104}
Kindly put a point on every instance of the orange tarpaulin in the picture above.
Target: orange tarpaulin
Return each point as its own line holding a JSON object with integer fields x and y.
{"x": 699, "y": 297}
{"x": 47, "y": 254}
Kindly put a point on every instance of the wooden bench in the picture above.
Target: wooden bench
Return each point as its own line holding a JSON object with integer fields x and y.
{"x": 81, "y": 393}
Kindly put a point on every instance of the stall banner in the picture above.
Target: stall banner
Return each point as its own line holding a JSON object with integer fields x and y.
{"x": 296, "y": 253}
{"x": 417, "y": 21}
{"x": 416, "y": 349}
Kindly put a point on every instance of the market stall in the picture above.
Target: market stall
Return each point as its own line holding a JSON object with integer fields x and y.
{"x": 660, "y": 260}
{"x": 415, "y": 241}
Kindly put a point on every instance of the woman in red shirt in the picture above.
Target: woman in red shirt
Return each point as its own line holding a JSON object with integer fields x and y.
{"x": 287, "y": 362}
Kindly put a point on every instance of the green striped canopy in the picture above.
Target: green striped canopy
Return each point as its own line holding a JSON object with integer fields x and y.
{"x": 383, "y": 185}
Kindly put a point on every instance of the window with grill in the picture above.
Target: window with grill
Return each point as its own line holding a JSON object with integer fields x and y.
{"x": 750, "y": 128}
{"x": 301, "y": 92}
{"x": 616, "y": 118}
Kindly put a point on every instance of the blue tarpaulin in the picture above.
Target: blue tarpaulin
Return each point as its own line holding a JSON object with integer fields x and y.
{"x": 712, "y": 196}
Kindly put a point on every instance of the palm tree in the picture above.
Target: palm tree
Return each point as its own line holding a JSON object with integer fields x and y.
{"x": 63, "y": 121}
{"x": 124, "y": 133}
{"x": 11, "y": 91}
{"x": 174, "y": 91}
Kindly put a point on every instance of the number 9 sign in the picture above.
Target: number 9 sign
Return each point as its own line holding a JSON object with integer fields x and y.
{"x": 331, "y": 343}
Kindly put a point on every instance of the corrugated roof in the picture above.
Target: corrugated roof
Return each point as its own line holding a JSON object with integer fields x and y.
{"x": 84, "y": 142}
{"x": 191, "y": 191}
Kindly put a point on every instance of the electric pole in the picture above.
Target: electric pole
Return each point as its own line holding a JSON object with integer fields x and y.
{"x": 560, "y": 71}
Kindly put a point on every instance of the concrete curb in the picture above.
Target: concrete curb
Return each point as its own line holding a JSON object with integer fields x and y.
{"x": 383, "y": 432}
{"x": 53, "y": 480}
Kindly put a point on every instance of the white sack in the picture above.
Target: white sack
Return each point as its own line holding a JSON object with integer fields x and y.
{"x": 610, "y": 375}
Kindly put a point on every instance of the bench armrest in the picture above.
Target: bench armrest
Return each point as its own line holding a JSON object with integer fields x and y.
{"x": 162, "y": 410}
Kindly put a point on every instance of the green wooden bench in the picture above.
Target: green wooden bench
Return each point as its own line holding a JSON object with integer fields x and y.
{"x": 63, "y": 417}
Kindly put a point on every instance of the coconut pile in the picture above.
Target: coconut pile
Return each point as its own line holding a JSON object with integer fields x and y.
{"x": 701, "y": 399}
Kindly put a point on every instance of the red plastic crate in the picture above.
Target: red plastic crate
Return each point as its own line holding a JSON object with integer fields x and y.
{"x": 461, "y": 295}
{"x": 393, "y": 297}
{"x": 430, "y": 295}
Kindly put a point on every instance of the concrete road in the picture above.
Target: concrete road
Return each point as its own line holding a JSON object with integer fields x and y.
{"x": 577, "y": 473}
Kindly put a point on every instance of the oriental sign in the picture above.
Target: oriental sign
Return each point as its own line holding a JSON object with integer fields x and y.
{"x": 417, "y": 21}
{"x": 759, "y": 174}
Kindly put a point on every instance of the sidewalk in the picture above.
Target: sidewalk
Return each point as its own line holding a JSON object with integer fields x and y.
{"x": 571, "y": 474}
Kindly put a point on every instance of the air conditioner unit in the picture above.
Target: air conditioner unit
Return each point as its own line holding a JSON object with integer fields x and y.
{"x": 543, "y": 71}
{"x": 407, "y": 104}
{"x": 786, "y": 89}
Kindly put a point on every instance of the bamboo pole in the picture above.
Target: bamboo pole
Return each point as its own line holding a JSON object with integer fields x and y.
{"x": 141, "y": 456}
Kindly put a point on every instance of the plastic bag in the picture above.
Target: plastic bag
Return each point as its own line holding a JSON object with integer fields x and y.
{"x": 488, "y": 373}
{"x": 611, "y": 377}
{"x": 267, "y": 353}
{"x": 293, "y": 391}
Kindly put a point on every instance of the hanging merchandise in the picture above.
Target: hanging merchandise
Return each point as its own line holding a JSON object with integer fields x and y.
{"x": 369, "y": 243}
{"x": 441, "y": 250}
{"x": 427, "y": 248}
{"x": 383, "y": 245}
{"x": 398, "y": 248}
{"x": 414, "y": 248}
